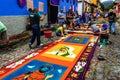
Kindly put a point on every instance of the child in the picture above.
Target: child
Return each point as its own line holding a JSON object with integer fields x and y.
{"x": 60, "y": 30}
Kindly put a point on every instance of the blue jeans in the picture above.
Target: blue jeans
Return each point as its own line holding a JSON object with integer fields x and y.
{"x": 60, "y": 21}
{"x": 58, "y": 33}
{"x": 87, "y": 19}
{"x": 112, "y": 27}
{"x": 36, "y": 34}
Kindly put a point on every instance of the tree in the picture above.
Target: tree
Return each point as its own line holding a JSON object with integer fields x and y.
{"x": 109, "y": 7}
{"x": 102, "y": 6}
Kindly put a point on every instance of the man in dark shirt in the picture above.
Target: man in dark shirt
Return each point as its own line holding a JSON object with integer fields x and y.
{"x": 111, "y": 20}
{"x": 35, "y": 19}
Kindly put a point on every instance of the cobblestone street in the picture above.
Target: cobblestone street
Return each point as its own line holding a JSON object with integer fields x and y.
{"x": 109, "y": 69}
{"x": 13, "y": 54}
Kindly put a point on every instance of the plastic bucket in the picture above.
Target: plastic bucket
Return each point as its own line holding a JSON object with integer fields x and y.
{"x": 48, "y": 33}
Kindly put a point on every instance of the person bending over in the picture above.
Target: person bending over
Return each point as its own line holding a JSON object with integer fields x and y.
{"x": 103, "y": 32}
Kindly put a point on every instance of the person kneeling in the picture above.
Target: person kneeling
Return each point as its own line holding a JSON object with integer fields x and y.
{"x": 60, "y": 30}
{"x": 104, "y": 34}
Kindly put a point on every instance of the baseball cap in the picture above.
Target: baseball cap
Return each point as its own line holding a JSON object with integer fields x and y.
{"x": 105, "y": 26}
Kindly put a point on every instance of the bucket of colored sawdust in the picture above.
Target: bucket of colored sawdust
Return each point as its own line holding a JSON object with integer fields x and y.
{"x": 47, "y": 33}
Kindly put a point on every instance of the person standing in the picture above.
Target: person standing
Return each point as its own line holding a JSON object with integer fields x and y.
{"x": 35, "y": 19}
{"x": 112, "y": 20}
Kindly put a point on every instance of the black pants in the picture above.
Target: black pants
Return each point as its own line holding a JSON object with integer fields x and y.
{"x": 36, "y": 34}
{"x": 104, "y": 36}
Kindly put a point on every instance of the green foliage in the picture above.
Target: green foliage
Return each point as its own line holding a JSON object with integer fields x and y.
{"x": 103, "y": 8}
{"x": 109, "y": 7}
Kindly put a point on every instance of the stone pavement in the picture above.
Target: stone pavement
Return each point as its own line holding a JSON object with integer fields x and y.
{"x": 109, "y": 69}
{"x": 13, "y": 54}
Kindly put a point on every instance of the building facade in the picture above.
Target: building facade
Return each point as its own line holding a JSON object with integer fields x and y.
{"x": 13, "y": 13}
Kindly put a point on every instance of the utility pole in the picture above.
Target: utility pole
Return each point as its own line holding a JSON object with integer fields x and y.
{"x": 83, "y": 6}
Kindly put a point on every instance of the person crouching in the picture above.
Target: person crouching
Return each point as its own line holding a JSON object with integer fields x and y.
{"x": 60, "y": 30}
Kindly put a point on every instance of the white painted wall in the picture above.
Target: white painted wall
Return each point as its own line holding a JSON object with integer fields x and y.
{"x": 16, "y": 24}
{"x": 80, "y": 8}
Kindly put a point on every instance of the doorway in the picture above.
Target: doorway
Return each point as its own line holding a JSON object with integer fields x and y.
{"x": 52, "y": 13}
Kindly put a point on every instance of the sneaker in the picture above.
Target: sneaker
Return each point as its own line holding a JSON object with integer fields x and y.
{"x": 38, "y": 46}
{"x": 41, "y": 44}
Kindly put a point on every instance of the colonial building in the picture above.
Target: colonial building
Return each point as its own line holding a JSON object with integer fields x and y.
{"x": 13, "y": 13}
{"x": 85, "y": 6}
